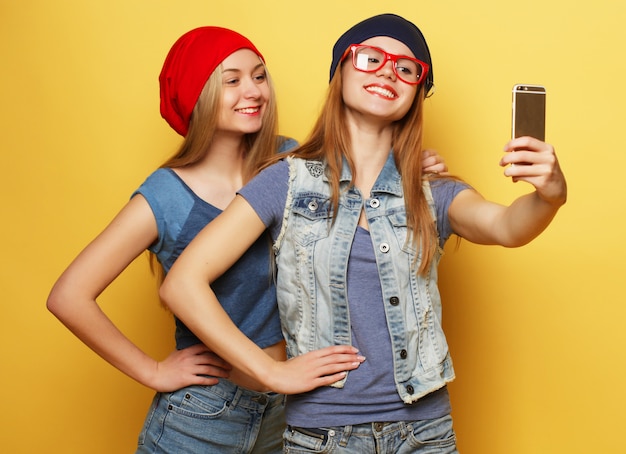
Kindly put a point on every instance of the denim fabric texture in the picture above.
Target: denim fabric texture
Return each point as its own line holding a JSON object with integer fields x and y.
{"x": 312, "y": 254}
{"x": 218, "y": 419}
{"x": 433, "y": 436}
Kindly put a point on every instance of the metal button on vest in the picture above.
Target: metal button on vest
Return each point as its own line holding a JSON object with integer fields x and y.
{"x": 374, "y": 203}
{"x": 409, "y": 389}
{"x": 384, "y": 247}
{"x": 313, "y": 205}
{"x": 403, "y": 354}
{"x": 394, "y": 300}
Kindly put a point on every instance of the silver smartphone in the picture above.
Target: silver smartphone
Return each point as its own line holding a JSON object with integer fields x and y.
{"x": 529, "y": 111}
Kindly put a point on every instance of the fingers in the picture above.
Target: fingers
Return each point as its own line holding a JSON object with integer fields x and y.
{"x": 527, "y": 151}
{"x": 344, "y": 356}
{"x": 334, "y": 360}
{"x": 334, "y": 369}
{"x": 191, "y": 365}
{"x": 432, "y": 162}
{"x": 214, "y": 360}
{"x": 314, "y": 369}
{"x": 431, "y": 165}
{"x": 330, "y": 379}
{"x": 536, "y": 163}
{"x": 200, "y": 354}
{"x": 203, "y": 381}
{"x": 428, "y": 152}
{"x": 210, "y": 370}
{"x": 525, "y": 143}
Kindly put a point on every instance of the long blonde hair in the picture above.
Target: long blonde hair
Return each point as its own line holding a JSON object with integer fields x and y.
{"x": 259, "y": 146}
{"x": 329, "y": 141}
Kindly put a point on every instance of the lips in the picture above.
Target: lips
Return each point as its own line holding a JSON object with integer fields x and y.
{"x": 383, "y": 91}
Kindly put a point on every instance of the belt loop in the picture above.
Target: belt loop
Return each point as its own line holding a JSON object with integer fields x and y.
{"x": 236, "y": 396}
{"x": 405, "y": 430}
{"x": 345, "y": 436}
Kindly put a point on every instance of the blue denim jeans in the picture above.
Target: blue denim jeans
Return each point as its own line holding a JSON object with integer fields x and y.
{"x": 432, "y": 436}
{"x": 223, "y": 418}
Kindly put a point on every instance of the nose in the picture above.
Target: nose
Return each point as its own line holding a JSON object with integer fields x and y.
{"x": 387, "y": 70}
{"x": 251, "y": 89}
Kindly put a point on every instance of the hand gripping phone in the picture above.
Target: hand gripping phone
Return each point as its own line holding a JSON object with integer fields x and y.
{"x": 529, "y": 111}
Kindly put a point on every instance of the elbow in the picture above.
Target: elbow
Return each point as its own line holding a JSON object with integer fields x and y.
{"x": 56, "y": 303}
{"x": 52, "y": 303}
{"x": 167, "y": 292}
{"x": 515, "y": 244}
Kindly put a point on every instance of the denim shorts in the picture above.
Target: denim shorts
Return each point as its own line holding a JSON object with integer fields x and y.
{"x": 223, "y": 418}
{"x": 431, "y": 436}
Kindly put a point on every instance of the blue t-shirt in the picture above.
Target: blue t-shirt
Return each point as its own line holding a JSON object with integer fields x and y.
{"x": 369, "y": 394}
{"x": 246, "y": 290}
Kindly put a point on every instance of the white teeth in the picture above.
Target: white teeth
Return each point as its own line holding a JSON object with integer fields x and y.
{"x": 248, "y": 110}
{"x": 381, "y": 91}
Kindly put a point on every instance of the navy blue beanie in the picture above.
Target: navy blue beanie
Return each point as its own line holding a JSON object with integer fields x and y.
{"x": 390, "y": 25}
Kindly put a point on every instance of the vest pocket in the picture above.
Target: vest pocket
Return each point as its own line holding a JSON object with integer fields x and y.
{"x": 397, "y": 219}
{"x": 312, "y": 217}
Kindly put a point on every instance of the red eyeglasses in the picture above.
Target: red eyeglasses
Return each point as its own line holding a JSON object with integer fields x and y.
{"x": 370, "y": 59}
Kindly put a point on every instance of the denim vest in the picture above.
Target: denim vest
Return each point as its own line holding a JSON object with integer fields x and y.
{"x": 312, "y": 258}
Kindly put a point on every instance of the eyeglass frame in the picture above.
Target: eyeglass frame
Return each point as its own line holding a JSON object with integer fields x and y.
{"x": 388, "y": 56}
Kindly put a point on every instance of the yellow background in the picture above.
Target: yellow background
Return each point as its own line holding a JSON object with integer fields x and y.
{"x": 537, "y": 334}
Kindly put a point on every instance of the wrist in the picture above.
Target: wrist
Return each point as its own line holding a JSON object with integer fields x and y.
{"x": 147, "y": 374}
{"x": 267, "y": 374}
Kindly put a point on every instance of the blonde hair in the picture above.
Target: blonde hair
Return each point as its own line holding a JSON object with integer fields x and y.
{"x": 259, "y": 146}
{"x": 329, "y": 141}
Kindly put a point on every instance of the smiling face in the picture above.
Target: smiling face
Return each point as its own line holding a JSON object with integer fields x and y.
{"x": 378, "y": 95}
{"x": 245, "y": 93}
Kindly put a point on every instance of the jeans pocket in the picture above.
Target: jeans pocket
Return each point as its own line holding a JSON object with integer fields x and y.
{"x": 433, "y": 436}
{"x": 299, "y": 440}
{"x": 192, "y": 403}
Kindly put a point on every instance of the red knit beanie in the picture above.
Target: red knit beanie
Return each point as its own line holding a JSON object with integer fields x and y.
{"x": 189, "y": 64}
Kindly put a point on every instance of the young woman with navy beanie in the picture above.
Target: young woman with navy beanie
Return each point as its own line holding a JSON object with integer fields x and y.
{"x": 357, "y": 231}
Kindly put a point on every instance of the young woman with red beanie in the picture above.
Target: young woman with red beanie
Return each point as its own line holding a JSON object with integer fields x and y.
{"x": 357, "y": 231}
{"x": 217, "y": 94}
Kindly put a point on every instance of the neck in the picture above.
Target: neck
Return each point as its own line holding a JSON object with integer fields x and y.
{"x": 370, "y": 145}
{"x": 219, "y": 174}
{"x": 225, "y": 156}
